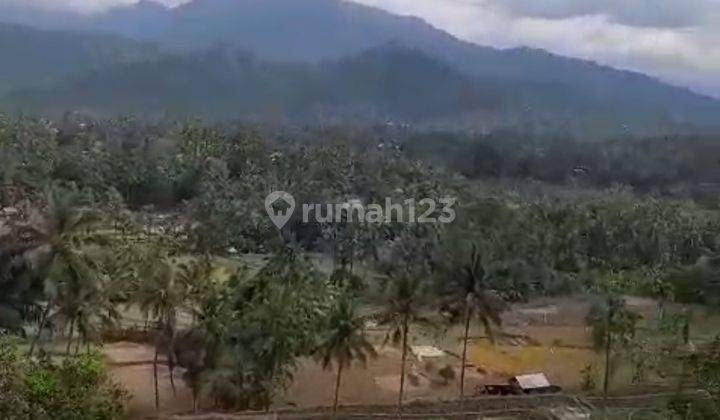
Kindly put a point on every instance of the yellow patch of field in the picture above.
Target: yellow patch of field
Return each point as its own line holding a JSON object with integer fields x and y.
{"x": 562, "y": 365}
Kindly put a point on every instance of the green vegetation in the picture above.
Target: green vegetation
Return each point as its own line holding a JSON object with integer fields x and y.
{"x": 77, "y": 388}
{"x": 355, "y": 64}
{"x": 101, "y": 217}
{"x": 345, "y": 341}
{"x": 470, "y": 297}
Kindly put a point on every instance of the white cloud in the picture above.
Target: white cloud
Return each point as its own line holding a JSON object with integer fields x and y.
{"x": 685, "y": 54}
{"x": 84, "y": 6}
{"x": 657, "y": 13}
{"x": 676, "y": 40}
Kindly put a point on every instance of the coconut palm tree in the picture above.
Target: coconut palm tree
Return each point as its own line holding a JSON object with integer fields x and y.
{"x": 9, "y": 168}
{"x": 344, "y": 341}
{"x": 468, "y": 296}
{"x": 160, "y": 294}
{"x": 90, "y": 308}
{"x": 59, "y": 236}
{"x": 85, "y": 298}
{"x": 400, "y": 312}
{"x": 407, "y": 264}
{"x": 20, "y": 287}
{"x": 613, "y": 325}
{"x": 191, "y": 349}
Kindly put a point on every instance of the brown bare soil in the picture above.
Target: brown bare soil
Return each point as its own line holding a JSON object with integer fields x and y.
{"x": 547, "y": 336}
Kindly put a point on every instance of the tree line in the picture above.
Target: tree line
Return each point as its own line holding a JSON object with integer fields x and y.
{"x": 99, "y": 217}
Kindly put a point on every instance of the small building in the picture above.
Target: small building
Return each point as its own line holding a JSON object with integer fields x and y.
{"x": 535, "y": 383}
{"x": 427, "y": 352}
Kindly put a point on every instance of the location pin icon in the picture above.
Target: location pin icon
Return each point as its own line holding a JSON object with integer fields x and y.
{"x": 280, "y": 207}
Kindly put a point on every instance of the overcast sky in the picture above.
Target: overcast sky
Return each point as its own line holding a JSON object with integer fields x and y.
{"x": 676, "y": 40}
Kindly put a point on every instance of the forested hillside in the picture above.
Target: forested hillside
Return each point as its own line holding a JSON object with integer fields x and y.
{"x": 318, "y": 209}
{"x": 120, "y": 234}
{"x": 315, "y": 61}
{"x": 35, "y": 58}
{"x": 387, "y": 84}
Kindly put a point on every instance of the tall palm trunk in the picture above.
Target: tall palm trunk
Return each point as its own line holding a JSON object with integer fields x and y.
{"x": 78, "y": 342}
{"x": 82, "y": 334}
{"x": 5, "y": 192}
{"x": 170, "y": 331}
{"x": 155, "y": 380}
{"x": 608, "y": 349}
{"x": 337, "y": 388}
{"x": 464, "y": 353}
{"x": 171, "y": 369}
{"x": 69, "y": 337}
{"x": 686, "y": 340}
{"x": 41, "y": 326}
{"x": 402, "y": 363}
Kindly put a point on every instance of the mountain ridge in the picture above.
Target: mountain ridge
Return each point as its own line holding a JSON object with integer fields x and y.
{"x": 41, "y": 57}
{"x": 387, "y": 83}
{"x": 315, "y": 38}
{"x": 314, "y": 30}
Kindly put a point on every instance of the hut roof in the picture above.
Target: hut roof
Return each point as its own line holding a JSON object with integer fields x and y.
{"x": 532, "y": 381}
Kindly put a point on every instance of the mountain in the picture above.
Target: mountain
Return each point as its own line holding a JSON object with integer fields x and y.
{"x": 282, "y": 30}
{"x": 314, "y": 30}
{"x": 388, "y": 83}
{"x": 338, "y": 59}
{"x": 34, "y": 58}
{"x": 380, "y": 84}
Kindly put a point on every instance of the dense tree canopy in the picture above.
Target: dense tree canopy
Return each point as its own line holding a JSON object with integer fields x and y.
{"x": 100, "y": 216}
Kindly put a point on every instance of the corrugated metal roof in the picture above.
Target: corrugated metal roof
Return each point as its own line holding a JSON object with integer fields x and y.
{"x": 426, "y": 351}
{"x": 532, "y": 381}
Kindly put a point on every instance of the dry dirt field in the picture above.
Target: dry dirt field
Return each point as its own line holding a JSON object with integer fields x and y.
{"x": 546, "y": 336}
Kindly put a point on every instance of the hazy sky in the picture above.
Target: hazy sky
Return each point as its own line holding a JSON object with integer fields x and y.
{"x": 88, "y": 6}
{"x": 677, "y": 40}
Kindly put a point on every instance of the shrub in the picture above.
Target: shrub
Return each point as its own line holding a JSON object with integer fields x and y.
{"x": 77, "y": 389}
{"x": 13, "y": 402}
{"x": 447, "y": 373}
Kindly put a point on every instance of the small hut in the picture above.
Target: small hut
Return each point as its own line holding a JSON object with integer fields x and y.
{"x": 535, "y": 383}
